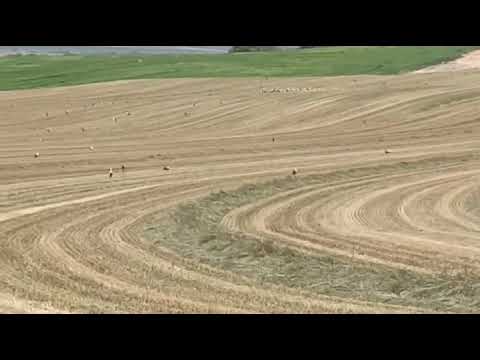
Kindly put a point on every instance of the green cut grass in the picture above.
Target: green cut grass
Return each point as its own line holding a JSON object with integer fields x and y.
{"x": 193, "y": 231}
{"x": 35, "y": 71}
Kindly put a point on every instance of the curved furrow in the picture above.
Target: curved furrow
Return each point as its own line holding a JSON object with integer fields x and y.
{"x": 225, "y": 227}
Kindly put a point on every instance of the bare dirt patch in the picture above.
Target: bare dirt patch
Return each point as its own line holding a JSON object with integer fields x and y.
{"x": 470, "y": 61}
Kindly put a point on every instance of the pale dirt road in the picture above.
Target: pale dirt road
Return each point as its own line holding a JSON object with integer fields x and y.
{"x": 72, "y": 239}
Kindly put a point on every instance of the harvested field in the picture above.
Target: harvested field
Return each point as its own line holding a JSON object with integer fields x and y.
{"x": 207, "y": 216}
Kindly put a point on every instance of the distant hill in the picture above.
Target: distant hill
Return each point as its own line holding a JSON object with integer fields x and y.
{"x": 118, "y": 50}
{"x": 235, "y": 49}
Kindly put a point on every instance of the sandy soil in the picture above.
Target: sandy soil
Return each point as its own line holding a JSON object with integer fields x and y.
{"x": 72, "y": 238}
{"x": 467, "y": 62}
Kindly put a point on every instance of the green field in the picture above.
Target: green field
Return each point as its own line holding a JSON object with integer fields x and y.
{"x": 32, "y": 71}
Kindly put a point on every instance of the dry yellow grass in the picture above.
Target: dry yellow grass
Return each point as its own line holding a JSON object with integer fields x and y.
{"x": 73, "y": 240}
